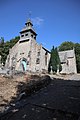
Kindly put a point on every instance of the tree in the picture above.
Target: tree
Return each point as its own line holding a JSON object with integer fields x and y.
{"x": 5, "y": 46}
{"x": 2, "y": 48}
{"x": 54, "y": 60}
{"x": 14, "y": 41}
{"x": 66, "y": 46}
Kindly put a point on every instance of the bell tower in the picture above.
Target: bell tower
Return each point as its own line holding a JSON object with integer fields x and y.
{"x": 27, "y": 32}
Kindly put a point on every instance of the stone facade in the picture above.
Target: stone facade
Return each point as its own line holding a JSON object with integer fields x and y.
{"x": 68, "y": 61}
{"x": 27, "y": 54}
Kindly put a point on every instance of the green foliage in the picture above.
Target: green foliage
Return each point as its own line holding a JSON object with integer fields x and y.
{"x": 14, "y": 41}
{"x": 54, "y": 60}
{"x": 5, "y": 46}
{"x": 69, "y": 46}
{"x": 1, "y": 48}
{"x": 66, "y": 46}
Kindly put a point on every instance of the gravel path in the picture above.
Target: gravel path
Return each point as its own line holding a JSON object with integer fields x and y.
{"x": 67, "y": 77}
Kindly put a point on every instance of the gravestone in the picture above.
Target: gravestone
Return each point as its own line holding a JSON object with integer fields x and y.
{"x": 57, "y": 69}
{"x": 51, "y": 70}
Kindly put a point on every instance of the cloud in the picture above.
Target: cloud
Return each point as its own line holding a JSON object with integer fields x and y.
{"x": 37, "y": 21}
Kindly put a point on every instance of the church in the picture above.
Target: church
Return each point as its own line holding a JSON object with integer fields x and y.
{"x": 68, "y": 61}
{"x": 27, "y": 54}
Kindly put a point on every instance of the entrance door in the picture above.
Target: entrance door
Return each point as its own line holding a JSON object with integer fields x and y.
{"x": 24, "y": 65}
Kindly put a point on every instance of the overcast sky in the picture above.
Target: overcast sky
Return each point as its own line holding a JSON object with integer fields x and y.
{"x": 55, "y": 21}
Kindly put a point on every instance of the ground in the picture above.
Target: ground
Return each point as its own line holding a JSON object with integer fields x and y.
{"x": 60, "y": 100}
{"x": 8, "y": 88}
{"x": 67, "y": 77}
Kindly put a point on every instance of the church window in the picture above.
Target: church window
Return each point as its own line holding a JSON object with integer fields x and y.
{"x": 27, "y": 62}
{"x": 63, "y": 62}
{"x": 38, "y": 54}
{"x": 37, "y": 61}
{"x": 22, "y": 35}
{"x": 29, "y": 53}
{"x": 21, "y": 53}
{"x": 26, "y": 34}
{"x": 32, "y": 36}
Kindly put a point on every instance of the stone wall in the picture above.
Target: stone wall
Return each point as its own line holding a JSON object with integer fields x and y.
{"x": 22, "y": 50}
{"x": 68, "y": 61}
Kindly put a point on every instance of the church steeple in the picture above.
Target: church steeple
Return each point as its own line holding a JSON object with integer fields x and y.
{"x": 29, "y": 23}
{"x": 27, "y": 32}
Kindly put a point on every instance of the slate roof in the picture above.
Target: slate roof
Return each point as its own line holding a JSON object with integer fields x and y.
{"x": 46, "y": 50}
{"x": 28, "y": 29}
{"x": 66, "y": 54}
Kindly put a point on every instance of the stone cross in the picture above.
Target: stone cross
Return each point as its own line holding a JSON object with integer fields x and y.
{"x": 51, "y": 70}
{"x": 57, "y": 69}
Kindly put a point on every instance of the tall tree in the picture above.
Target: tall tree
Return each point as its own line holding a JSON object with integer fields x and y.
{"x": 55, "y": 60}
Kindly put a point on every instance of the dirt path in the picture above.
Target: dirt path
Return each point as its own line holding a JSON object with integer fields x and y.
{"x": 8, "y": 89}
{"x": 60, "y": 100}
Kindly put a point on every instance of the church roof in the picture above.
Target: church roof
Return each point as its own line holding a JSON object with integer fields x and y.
{"x": 66, "y": 54}
{"x": 46, "y": 50}
{"x": 25, "y": 29}
{"x": 28, "y": 27}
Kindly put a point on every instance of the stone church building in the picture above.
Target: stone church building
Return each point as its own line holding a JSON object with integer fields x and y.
{"x": 68, "y": 61}
{"x": 27, "y": 54}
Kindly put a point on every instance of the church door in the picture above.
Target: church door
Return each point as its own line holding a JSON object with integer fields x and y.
{"x": 24, "y": 65}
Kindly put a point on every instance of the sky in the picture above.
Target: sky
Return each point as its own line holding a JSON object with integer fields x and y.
{"x": 55, "y": 21}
